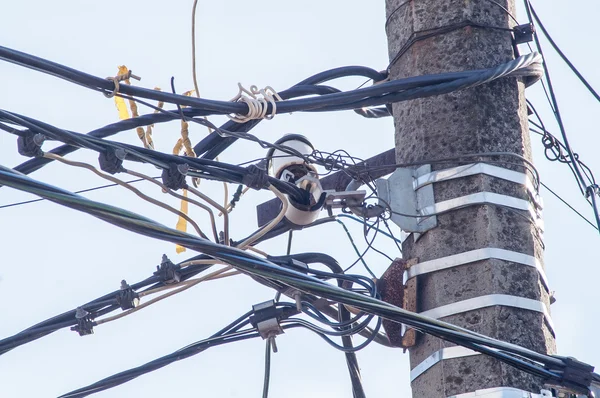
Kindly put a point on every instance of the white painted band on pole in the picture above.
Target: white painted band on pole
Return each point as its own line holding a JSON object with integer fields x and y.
{"x": 504, "y": 392}
{"x": 479, "y": 168}
{"x": 477, "y": 255}
{"x": 491, "y": 300}
{"x": 438, "y": 356}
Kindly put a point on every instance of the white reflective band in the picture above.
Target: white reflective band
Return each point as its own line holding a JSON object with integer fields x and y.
{"x": 483, "y": 198}
{"x": 444, "y": 353}
{"x": 504, "y": 392}
{"x": 479, "y": 168}
{"x": 477, "y": 255}
{"x": 488, "y": 301}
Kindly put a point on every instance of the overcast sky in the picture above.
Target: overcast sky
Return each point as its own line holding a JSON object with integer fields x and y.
{"x": 54, "y": 259}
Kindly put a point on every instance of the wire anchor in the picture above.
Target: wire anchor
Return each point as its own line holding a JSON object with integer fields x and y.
{"x": 85, "y": 324}
{"x": 257, "y": 106}
{"x": 117, "y": 79}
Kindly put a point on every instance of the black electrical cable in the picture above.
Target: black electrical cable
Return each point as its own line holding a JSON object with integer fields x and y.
{"x": 555, "y": 147}
{"x": 561, "y": 54}
{"x": 81, "y": 191}
{"x": 366, "y": 230}
{"x": 98, "y": 307}
{"x": 267, "y": 377}
{"x": 379, "y": 94}
{"x": 227, "y": 335}
{"x": 251, "y": 264}
{"x": 209, "y": 169}
{"x": 554, "y": 102}
{"x": 570, "y": 207}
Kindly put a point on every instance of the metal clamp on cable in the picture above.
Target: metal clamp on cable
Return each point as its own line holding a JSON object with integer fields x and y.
{"x": 289, "y": 262}
{"x": 256, "y": 178}
{"x": 576, "y": 378}
{"x": 524, "y": 33}
{"x": 167, "y": 271}
{"x": 127, "y": 298}
{"x": 30, "y": 144}
{"x": 266, "y": 319}
{"x": 111, "y": 161}
{"x": 85, "y": 323}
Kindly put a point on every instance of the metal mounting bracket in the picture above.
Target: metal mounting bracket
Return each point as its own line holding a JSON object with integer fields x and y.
{"x": 409, "y": 194}
{"x": 398, "y": 193}
{"x": 336, "y": 200}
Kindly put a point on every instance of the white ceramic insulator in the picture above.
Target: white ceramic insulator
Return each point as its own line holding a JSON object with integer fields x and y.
{"x": 281, "y": 160}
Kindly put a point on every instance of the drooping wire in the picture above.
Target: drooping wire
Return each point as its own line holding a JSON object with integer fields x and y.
{"x": 80, "y": 191}
{"x": 561, "y": 54}
{"x": 549, "y": 366}
{"x": 554, "y": 102}
{"x": 584, "y": 218}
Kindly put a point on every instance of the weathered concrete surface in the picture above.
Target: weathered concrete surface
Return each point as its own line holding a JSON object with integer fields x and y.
{"x": 489, "y": 118}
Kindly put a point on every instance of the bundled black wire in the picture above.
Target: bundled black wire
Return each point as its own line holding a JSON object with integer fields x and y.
{"x": 231, "y": 333}
{"x": 326, "y": 99}
{"x": 555, "y": 369}
{"x": 96, "y": 308}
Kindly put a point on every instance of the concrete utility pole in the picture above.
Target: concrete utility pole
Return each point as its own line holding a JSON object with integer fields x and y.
{"x": 490, "y": 118}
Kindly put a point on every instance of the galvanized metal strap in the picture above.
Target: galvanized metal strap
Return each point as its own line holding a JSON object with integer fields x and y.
{"x": 483, "y": 198}
{"x": 438, "y": 356}
{"x": 491, "y": 300}
{"x": 503, "y": 392}
{"x": 479, "y": 168}
{"x": 477, "y": 255}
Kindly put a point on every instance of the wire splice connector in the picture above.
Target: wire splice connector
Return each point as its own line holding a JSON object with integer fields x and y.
{"x": 111, "y": 161}
{"x": 167, "y": 271}
{"x": 256, "y": 178}
{"x": 174, "y": 177}
{"x": 127, "y": 298}
{"x": 85, "y": 323}
{"x": 30, "y": 144}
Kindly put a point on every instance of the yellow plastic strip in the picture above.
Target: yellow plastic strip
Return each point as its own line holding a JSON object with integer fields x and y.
{"x": 121, "y": 108}
{"x": 182, "y": 222}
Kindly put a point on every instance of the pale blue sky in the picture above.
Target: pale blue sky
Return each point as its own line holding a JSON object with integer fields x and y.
{"x": 54, "y": 259}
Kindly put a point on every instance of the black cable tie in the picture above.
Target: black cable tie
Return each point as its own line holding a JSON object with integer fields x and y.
{"x": 236, "y": 196}
{"x": 30, "y": 144}
{"x": 591, "y": 190}
{"x": 524, "y": 33}
{"x": 256, "y": 178}
{"x": 127, "y": 298}
{"x": 111, "y": 161}
{"x": 167, "y": 271}
{"x": 174, "y": 177}
{"x": 85, "y": 324}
